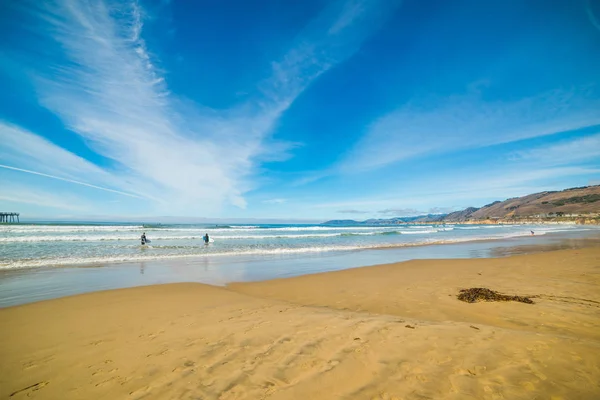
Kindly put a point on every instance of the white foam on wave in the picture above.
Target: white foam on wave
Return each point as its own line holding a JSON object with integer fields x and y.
{"x": 89, "y": 238}
{"x": 48, "y": 262}
{"x": 223, "y": 235}
{"x": 57, "y": 261}
{"x": 105, "y": 234}
{"x": 93, "y": 238}
{"x": 418, "y": 232}
{"x": 11, "y": 229}
{"x": 329, "y": 228}
{"x": 267, "y": 229}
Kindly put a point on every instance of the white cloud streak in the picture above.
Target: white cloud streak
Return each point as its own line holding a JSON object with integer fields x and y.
{"x": 69, "y": 180}
{"x": 574, "y": 151}
{"x": 353, "y": 212}
{"x": 274, "y": 201}
{"x": 109, "y": 91}
{"x": 332, "y": 37}
{"x": 351, "y": 11}
{"x": 446, "y": 193}
{"x": 401, "y": 212}
{"x": 20, "y": 194}
{"x": 466, "y": 122}
{"x": 39, "y": 156}
{"x": 28, "y": 150}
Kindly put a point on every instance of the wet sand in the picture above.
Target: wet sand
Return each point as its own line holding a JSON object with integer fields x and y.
{"x": 394, "y": 331}
{"x": 20, "y": 286}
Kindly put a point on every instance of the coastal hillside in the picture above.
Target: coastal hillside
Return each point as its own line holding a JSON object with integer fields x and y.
{"x": 572, "y": 202}
{"x": 568, "y": 204}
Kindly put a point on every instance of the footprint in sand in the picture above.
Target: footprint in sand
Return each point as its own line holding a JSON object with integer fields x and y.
{"x": 529, "y": 386}
{"x": 269, "y": 388}
{"x": 444, "y": 360}
{"x": 36, "y": 363}
{"x": 331, "y": 365}
{"x": 101, "y": 371}
{"x": 29, "y": 365}
{"x": 105, "y": 382}
{"x": 162, "y": 353}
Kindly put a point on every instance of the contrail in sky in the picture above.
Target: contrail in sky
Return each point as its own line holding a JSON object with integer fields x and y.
{"x": 70, "y": 181}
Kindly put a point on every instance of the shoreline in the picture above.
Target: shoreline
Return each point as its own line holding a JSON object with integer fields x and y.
{"x": 353, "y": 287}
{"x": 19, "y": 286}
{"x": 301, "y": 252}
{"x": 593, "y": 219}
{"x": 386, "y": 331}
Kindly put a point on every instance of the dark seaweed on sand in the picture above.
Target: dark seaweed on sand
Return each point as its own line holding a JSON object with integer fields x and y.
{"x": 474, "y": 295}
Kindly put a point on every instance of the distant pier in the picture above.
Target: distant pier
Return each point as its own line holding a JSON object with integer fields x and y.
{"x": 9, "y": 217}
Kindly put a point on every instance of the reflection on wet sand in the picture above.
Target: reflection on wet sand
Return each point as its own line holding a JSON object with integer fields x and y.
{"x": 563, "y": 244}
{"x": 18, "y": 286}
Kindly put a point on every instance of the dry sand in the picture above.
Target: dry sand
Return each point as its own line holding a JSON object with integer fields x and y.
{"x": 387, "y": 332}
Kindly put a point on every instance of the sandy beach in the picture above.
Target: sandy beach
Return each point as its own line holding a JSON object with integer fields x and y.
{"x": 393, "y": 331}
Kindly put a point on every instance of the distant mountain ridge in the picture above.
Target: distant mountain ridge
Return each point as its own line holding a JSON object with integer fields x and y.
{"x": 390, "y": 221}
{"x": 574, "y": 203}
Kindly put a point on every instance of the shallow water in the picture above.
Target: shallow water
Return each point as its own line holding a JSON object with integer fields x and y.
{"x": 24, "y": 285}
{"x": 39, "y": 245}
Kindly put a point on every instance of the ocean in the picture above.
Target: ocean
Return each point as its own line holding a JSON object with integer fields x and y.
{"x": 71, "y": 244}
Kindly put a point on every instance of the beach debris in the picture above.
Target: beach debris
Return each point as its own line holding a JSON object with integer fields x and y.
{"x": 474, "y": 295}
{"x": 30, "y": 388}
{"x": 356, "y": 338}
{"x": 410, "y": 327}
{"x": 474, "y": 327}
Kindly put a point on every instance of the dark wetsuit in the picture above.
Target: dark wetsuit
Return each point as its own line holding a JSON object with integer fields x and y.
{"x": 143, "y": 239}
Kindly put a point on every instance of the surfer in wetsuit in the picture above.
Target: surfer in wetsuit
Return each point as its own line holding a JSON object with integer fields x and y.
{"x": 206, "y": 238}
{"x": 144, "y": 238}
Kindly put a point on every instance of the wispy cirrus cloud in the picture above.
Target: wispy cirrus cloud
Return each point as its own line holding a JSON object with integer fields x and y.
{"x": 442, "y": 210}
{"x": 38, "y": 156}
{"x": 412, "y": 212}
{"x": 20, "y": 147}
{"x": 573, "y": 151}
{"x": 473, "y": 189}
{"x": 351, "y": 10}
{"x": 105, "y": 87}
{"x": 353, "y": 212}
{"x": 468, "y": 121}
{"x": 18, "y": 194}
{"x": 274, "y": 201}
{"x": 68, "y": 180}
{"x": 401, "y": 212}
{"x": 330, "y": 38}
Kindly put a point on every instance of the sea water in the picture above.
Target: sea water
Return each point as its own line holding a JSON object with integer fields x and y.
{"x": 67, "y": 244}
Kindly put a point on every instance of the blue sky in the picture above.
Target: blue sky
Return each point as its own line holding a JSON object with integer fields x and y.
{"x": 293, "y": 110}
